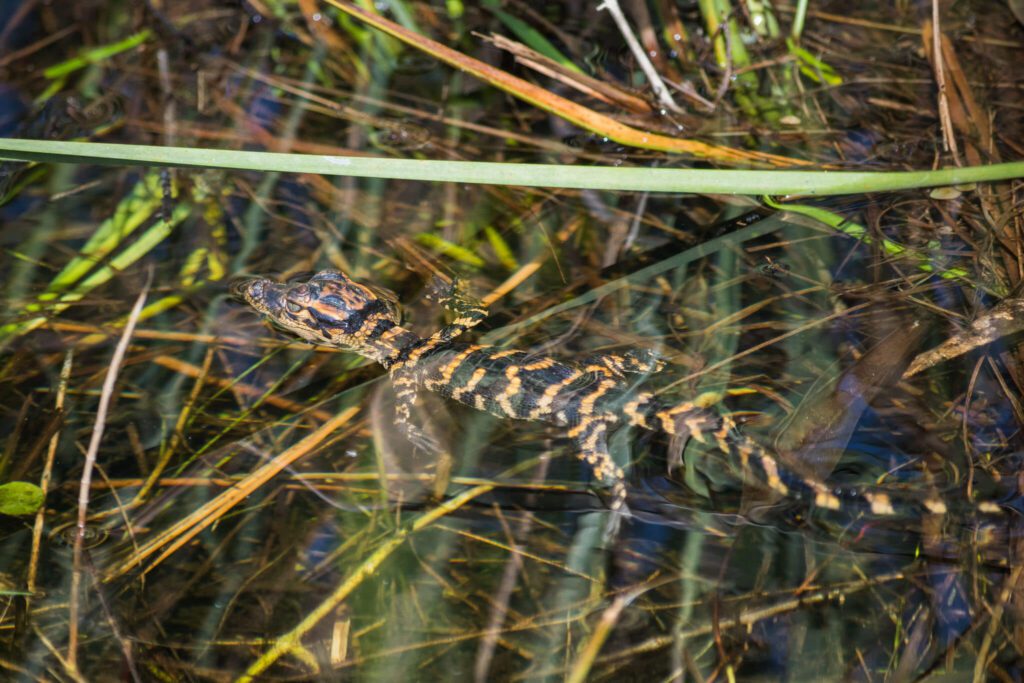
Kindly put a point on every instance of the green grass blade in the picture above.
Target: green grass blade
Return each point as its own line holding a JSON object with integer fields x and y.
{"x": 450, "y": 249}
{"x": 859, "y": 232}
{"x": 96, "y": 55}
{"x": 527, "y": 175}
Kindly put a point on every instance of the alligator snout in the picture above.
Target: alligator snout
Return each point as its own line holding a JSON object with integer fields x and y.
{"x": 261, "y": 293}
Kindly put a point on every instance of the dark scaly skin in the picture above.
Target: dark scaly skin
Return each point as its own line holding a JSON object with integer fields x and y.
{"x": 588, "y": 399}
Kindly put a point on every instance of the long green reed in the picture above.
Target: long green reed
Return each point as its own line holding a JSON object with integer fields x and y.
{"x": 710, "y": 181}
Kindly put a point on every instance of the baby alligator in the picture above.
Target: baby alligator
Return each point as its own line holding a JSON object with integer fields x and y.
{"x": 586, "y": 399}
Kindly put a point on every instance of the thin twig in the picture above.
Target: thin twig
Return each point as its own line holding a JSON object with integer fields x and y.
{"x": 948, "y": 137}
{"x": 44, "y": 480}
{"x": 124, "y": 642}
{"x": 106, "y": 395}
{"x": 659, "y": 88}
{"x": 969, "y": 488}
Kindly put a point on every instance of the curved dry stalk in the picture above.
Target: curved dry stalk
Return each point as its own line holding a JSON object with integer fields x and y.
{"x": 106, "y": 396}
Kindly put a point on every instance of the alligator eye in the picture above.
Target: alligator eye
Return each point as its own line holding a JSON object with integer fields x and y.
{"x": 293, "y": 307}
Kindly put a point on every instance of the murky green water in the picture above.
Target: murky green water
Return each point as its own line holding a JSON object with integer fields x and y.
{"x": 246, "y": 486}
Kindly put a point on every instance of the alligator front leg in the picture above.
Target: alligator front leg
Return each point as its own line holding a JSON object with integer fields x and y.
{"x": 467, "y": 311}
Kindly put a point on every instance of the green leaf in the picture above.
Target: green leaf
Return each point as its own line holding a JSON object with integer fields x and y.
{"x": 715, "y": 181}
{"x": 812, "y": 67}
{"x": 451, "y": 250}
{"x": 96, "y": 55}
{"x": 20, "y": 498}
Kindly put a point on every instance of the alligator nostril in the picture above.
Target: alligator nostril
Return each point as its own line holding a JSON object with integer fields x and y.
{"x": 248, "y": 289}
